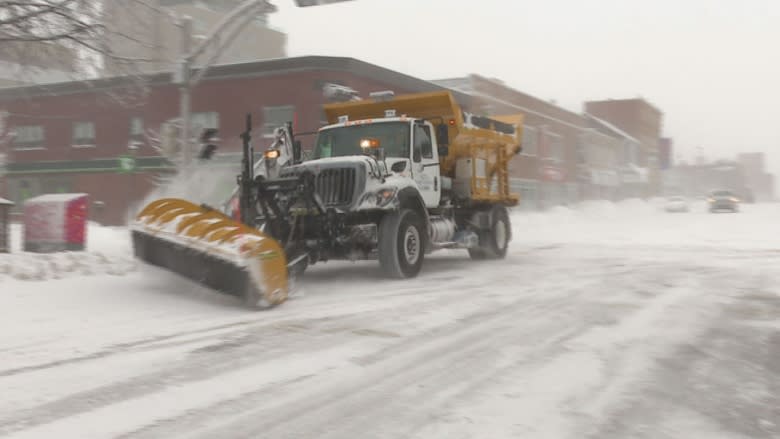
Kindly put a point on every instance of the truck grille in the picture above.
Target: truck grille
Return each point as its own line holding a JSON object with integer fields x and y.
{"x": 336, "y": 186}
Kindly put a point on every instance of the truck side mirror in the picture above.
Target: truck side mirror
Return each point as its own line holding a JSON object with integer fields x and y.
{"x": 417, "y": 155}
{"x": 442, "y": 134}
{"x": 444, "y": 151}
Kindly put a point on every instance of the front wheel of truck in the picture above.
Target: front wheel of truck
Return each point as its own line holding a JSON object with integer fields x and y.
{"x": 401, "y": 244}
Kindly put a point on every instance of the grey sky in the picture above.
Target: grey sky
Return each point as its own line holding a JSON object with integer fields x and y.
{"x": 712, "y": 66}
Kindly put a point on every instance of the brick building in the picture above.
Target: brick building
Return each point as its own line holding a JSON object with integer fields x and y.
{"x": 78, "y": 136}
{"x": 72, "y": 137}
{"x": 761, "y": 183}
{"x": 544, "y": 172}
{"x": 567, "y": 157}
{"x": 642, "y": 121}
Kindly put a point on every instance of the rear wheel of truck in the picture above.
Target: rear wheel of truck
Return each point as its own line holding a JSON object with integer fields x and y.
{"x": 493, "y": 243}
{"x": 401, "y": 244}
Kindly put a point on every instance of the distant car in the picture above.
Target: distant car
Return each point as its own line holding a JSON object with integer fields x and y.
{"x": 723, "y": 200}
{"x": 676, "y": 204}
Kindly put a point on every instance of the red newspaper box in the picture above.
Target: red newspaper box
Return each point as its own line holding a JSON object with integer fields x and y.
{"x": 55, "y": 222}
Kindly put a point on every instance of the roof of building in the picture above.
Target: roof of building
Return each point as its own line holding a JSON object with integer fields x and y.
{"x": 55, "y": 198}
{"x": 539, "y": 101}
{"x": 639, "y": 100}
{"x": 466, "y": 85}
{"x": 230, "y": 71}
{"x": 607, "y": 128}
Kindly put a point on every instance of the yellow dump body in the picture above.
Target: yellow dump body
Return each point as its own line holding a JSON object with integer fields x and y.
{"x": 470, "y": 137}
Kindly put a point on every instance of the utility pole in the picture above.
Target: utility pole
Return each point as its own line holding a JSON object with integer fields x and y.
{"x": 218, "y": 40}
{"x": 215, "y": 42}
{"x": 184, "y": 90}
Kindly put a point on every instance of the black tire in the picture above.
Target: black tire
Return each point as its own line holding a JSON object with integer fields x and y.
{"x": 494, "y": 243}
{"x": 401, "y": 244}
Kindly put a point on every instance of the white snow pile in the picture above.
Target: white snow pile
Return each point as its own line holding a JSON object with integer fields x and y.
{"x": 108, "y": 252}
{"x": 44, "y": 266}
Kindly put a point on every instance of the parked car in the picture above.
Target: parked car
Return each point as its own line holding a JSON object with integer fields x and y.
{"x": 723, "y": 200}
{"x": 677, "y": 204}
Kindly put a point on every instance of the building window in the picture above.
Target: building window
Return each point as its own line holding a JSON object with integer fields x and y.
{"x": 556, "y": 149}
{"x": 56, "y": 185}
{"x": 275, "y": 117}
{"x": 29, "y": 137}
{"x": 83, "y": 134}
{"x": 136, "y": 127}
{"x": 204, "y": 120}
{"x": 582, "y": 148}
{"x": 631, "y": 153}
{"x": 530, "y": 140}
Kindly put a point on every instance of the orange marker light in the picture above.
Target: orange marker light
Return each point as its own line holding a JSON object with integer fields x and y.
{"x": 369, "y": 143}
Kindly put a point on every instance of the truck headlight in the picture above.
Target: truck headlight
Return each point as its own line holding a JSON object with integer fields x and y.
{"x": 385, "y": 196}
{"x": 380, "y": 198}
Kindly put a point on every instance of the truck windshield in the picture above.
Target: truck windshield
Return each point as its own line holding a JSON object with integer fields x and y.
{"x": 342, "y": 141}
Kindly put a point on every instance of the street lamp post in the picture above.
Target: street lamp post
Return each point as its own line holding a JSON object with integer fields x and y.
{"x": 132, "y": 149}
{"x": 184, "y": 90}
{"x": 220, "y": 37}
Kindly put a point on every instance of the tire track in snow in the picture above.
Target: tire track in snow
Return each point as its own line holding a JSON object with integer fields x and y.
{"x": 461, "y": 362}
{"x": 321, "y": 306}
{"x": 548, "y": 400}
{"x": 255, "y": 343}
{"x": 466, "y": 371}
{"x": 456, "y": 353}
{"x": 237, "y": 349}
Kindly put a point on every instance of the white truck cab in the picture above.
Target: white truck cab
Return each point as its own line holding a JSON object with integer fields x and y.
{"x": 405, "y": 145}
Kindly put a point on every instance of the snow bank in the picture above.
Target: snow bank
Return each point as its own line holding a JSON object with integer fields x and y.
{"x": 31, "y": 266}
{"x": 108, "y": 252}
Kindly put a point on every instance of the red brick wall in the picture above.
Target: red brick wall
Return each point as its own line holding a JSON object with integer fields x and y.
{"x": 232, "y": 98}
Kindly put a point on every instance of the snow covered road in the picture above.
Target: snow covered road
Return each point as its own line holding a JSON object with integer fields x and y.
{"x": 607, "y": 321}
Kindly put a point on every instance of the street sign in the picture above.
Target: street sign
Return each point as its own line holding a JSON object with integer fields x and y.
{"x": 127, "y": 163}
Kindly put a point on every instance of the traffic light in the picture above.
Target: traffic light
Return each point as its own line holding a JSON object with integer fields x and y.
{"x": 208, "y": 139}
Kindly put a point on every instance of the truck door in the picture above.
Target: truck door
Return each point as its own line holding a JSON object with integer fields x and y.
{"x": 425, "y": 165}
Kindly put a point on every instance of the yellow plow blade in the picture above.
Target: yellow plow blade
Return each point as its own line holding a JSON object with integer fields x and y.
{"x": 209, "y": 247}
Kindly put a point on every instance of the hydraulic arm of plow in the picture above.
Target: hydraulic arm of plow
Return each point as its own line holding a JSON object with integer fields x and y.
{"x": 251, "y": 257}
{"x": 271, "y": 204}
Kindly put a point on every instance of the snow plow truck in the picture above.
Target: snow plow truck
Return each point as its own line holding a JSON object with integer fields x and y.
{"x": 391, "y": 178}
